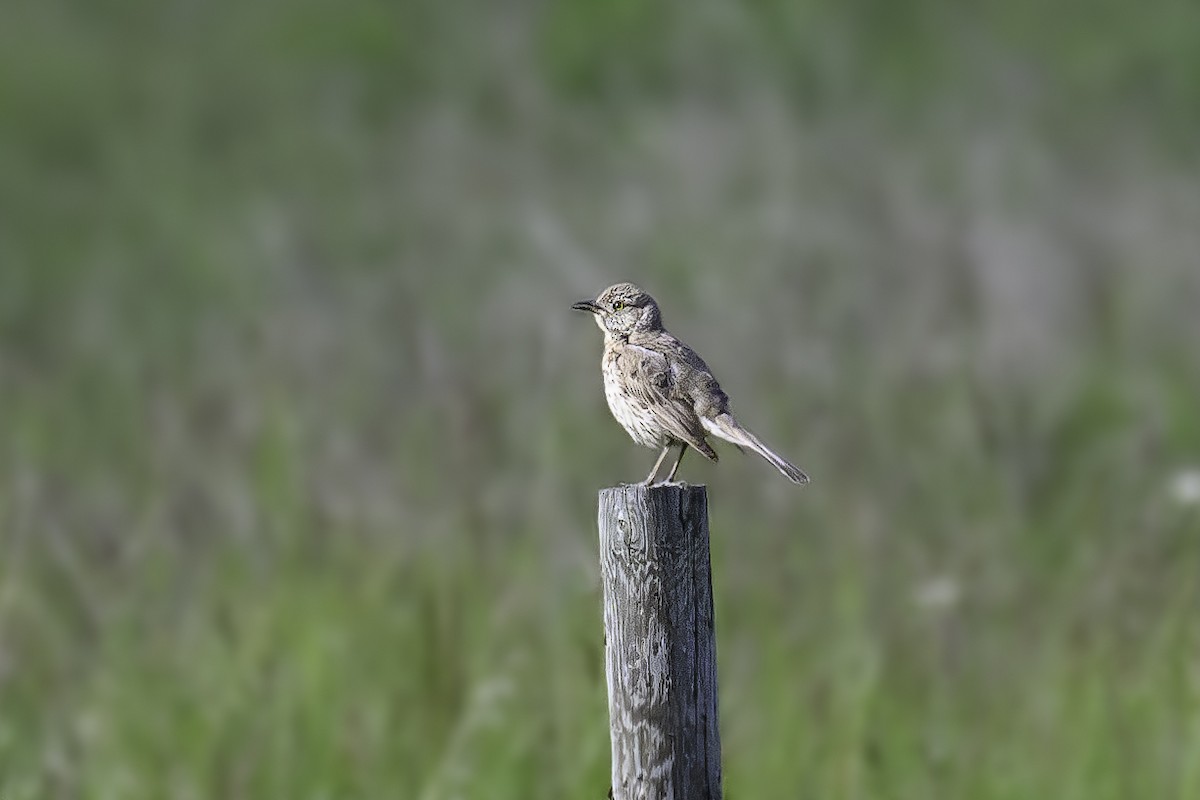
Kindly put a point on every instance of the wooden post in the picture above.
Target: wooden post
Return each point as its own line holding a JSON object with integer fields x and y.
{"x": 660, "y": 651}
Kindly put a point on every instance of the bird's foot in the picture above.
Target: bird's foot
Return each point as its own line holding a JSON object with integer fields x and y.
{"x": 653, "y": 484}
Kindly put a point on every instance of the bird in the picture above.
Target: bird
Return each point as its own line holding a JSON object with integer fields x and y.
{"x": 659, "y": 390}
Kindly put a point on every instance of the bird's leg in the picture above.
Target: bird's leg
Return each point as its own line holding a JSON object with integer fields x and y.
{"x": 650, "y": 478}
{"x": 682, "y": 449}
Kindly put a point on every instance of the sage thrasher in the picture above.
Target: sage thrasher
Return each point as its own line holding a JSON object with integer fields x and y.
{"x": 661, "y": 392}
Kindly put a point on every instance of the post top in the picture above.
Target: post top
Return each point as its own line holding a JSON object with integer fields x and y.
{"x": 663, "y": 485}
{"x": 659, "y": 489}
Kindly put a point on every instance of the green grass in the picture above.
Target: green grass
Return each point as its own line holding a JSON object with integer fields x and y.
{"x": 299, "y": 440}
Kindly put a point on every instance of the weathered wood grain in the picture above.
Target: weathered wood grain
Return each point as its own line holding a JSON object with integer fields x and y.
{"x": 660, "y": 650}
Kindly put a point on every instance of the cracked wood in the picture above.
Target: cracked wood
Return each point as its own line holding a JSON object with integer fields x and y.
{"x": 660, "y": 651}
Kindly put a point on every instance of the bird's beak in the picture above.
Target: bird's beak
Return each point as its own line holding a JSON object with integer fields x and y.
{"x": 586, "y": 305}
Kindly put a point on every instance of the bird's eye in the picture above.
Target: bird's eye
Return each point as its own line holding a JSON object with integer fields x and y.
{"x": 617, "y": 306}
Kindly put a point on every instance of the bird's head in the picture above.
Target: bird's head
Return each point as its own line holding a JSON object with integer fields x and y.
{"x": 623, "y": 309}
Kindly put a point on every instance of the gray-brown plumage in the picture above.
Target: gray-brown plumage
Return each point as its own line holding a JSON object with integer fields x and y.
{"x": 661, "y": 392}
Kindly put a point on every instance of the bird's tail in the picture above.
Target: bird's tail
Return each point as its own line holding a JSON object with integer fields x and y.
{"x": 724, "y": 426}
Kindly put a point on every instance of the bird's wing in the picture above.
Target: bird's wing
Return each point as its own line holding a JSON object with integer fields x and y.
{"x": 693, "y": 379}
{"x": 649, "y": 379}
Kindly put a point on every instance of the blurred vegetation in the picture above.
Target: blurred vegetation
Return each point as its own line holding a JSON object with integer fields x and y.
{"x": 300, "y": 440}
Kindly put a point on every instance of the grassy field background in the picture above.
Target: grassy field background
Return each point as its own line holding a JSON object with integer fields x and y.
{"x": 299, "y": 439}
